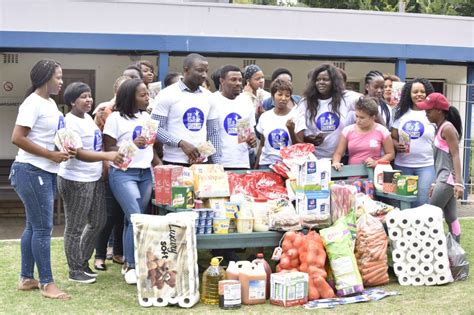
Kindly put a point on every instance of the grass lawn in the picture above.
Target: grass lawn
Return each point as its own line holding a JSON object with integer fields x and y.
{"x": 110, "y": 294}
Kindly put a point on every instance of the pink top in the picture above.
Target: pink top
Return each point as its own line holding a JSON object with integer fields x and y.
{"x": 361, "y": 146}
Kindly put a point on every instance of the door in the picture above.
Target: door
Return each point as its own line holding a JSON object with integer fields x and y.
{"x": 74, "y": 75}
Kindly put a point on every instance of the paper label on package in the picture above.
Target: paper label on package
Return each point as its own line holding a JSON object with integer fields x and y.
{"x": 341, "y": 266}
{"x": 257, "y": 289}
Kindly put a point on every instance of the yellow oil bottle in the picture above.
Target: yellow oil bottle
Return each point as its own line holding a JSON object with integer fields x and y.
{"x": 210, "y": 282}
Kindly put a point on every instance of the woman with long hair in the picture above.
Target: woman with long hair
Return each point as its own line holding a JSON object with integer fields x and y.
{"x": 33, "y": 174}
{"x": 324, "y": 110}
{"x": 413, "y": 136}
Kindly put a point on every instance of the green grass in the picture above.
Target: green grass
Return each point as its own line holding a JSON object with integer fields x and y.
{"x": 111, "y": 295}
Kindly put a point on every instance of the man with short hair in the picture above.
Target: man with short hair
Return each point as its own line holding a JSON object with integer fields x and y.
{"x": 185, "y": 116}
{"x": 233, "y": 109}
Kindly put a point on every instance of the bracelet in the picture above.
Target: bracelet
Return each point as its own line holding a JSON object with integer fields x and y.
{"x": 459, "y": 185}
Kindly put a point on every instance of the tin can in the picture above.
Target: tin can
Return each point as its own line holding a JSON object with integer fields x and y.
{"x": 229, "y": 294}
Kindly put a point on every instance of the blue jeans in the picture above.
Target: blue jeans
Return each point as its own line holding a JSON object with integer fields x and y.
{"x": 426, "y": 176}
{"x": 132, "y": 189}
{"x": 36, "y": 189}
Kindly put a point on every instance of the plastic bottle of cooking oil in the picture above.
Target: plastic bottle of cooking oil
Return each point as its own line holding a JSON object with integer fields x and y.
{"x": 210, "y": 282}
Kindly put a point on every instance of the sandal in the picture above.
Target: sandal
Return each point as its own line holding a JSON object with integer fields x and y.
{"x": 27, "y": 284}
{"x": 54, "y": 293}
{"x": 118, "y": 259}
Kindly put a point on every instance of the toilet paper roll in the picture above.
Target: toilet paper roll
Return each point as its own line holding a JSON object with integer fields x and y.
{"x": 402, "y": 244}
{"x": 440, "y": 242}
{"x": 435, "y": 231}
{"x": 428, "y": 244}
{"x": 395, "y": 234}
{"x": 404, "y": 279}
{"x": 413, "y": 269}
{"x": 417, "y": 223}
{"x": 160, "y": 302}
{"x": 415, "y": 244}
{"x": 442, "y": 279}
{"x": 441, "y": 267}
{"x": 188, "y": 301}
{"x": 404, "y": 222}
{"x": 426, "y": 269}
{"x": 422, "y": 233}
{"x": 145, "y": 302}
{"x": 392, "y": 222}
{"x": 429, "y": 280}
{"x": 440, "y": 254}
{"x": 412, "y": 256}
{"x": 426, "y": 256}
{"x": 398, "y": 255}
{"x": 409, "y": 233}
{"x": 399, "y": 268}
{"x": 418, "y": 280}
{"x": 173, "y": 299}
{"x": 430, "y": 220}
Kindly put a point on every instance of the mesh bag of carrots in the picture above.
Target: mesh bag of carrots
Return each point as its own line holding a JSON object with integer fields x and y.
{"x": 306, "y": 253}
{"x": 371, "y": 251}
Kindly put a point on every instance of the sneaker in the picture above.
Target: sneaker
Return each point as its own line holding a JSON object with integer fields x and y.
{"x": 130, "y": 276}
{"x": 89, "y": 272}
{"x": 79, "y": 276}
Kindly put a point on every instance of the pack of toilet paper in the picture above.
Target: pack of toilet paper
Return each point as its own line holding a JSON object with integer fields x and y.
{"x": 419, "y": 248}
{"x": 166, "y": 259}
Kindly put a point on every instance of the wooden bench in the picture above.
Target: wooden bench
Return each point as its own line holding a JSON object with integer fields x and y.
{"x": 272, "y": 238}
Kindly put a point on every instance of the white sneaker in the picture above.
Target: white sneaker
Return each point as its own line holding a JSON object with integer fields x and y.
{"x": 131, "y": 276}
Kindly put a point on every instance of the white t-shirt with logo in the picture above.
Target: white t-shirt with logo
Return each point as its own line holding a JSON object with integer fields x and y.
{"x": 234, "y": 154}
{"x": 327, "y": 122}
{"x": 91, "y": 140}
{"x": 187, "y": 114}
{"x": 44, "y": 119}
{"x": 125, "y": 128}
{"x": 273, "y": 128}
{"x": 422, "y": 132}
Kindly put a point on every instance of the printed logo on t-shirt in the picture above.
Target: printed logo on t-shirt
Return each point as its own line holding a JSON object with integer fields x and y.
{"x": 61, "y": 122}
{"x": 230, "y": 123}
{"x": 414, "y": 128}
{"x": 327, "y": 122}
{"x": 193, "y": 119}
{"x": 97, "y": 140}
{"x": 278, "y": 139}
{"x": 136, "y": 133}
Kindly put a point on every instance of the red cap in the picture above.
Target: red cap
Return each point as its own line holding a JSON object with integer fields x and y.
{"x": 434, "y": 101}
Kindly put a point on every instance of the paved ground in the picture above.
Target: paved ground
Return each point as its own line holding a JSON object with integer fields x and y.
{"x": 11, "y": 228}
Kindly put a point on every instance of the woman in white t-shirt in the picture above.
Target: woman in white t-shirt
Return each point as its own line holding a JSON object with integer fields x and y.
{"x": 324, "y": 110}
{"x": 131, "y": 187}
{"x": 33, "y": 174}
{"x": 81, "y": 185}
{"x": 275, "y": 126}
{"x": 415, "y": 156}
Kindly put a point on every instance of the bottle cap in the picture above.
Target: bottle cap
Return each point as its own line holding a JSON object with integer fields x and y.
{"x": 215, "y": 261}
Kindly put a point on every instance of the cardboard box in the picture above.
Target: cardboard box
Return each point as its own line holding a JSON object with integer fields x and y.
{"x": 210, "y": 181}
{"x": 289, "y": 289}
{"x": 314, "y": 174}
{"x": 313, "y": 202}
{"x": 218, "y": 205}
{"x": 166, "y": 176}
{"x": 182, "y": 197}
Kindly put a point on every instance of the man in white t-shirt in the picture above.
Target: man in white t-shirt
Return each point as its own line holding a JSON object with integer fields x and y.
{"x": 185, "y": 116}
{"x": 232, "y": 109}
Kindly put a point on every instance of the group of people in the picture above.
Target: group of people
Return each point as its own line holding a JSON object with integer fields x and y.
{"x": 100, "y": 197}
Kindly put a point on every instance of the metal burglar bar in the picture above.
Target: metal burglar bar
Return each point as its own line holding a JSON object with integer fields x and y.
{"x": 461, "y": 96}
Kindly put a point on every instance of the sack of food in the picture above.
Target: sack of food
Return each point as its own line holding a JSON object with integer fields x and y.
{"x": 338, "y": 243}
{"x": 371, "y": 251}
{"x": 149, "y": 130}
{"x": 342, "y": 200}
{"x": 66, "y": 139}
{"x": 129, "y": 150}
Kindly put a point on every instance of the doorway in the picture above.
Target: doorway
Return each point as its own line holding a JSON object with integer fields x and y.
{"x": 74, "y": 75}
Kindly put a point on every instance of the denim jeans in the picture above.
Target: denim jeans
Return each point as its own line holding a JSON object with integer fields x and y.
{"x": 113, "y": 225}
{"x": 36, "y": 189}
{"x": 132, "y": 189}
{"x": 426, "y": 176}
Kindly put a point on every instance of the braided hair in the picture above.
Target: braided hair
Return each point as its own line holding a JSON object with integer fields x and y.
{"x": 41, "y": 73}
{"x": 369, "y": 78}
{"x": 405, "y": 99}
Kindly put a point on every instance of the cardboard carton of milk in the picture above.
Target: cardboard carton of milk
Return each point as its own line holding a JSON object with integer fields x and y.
{"x": 314, "y": 174}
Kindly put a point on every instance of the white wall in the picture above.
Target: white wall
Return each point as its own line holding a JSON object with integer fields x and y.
{"x": 168, "y": 18}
